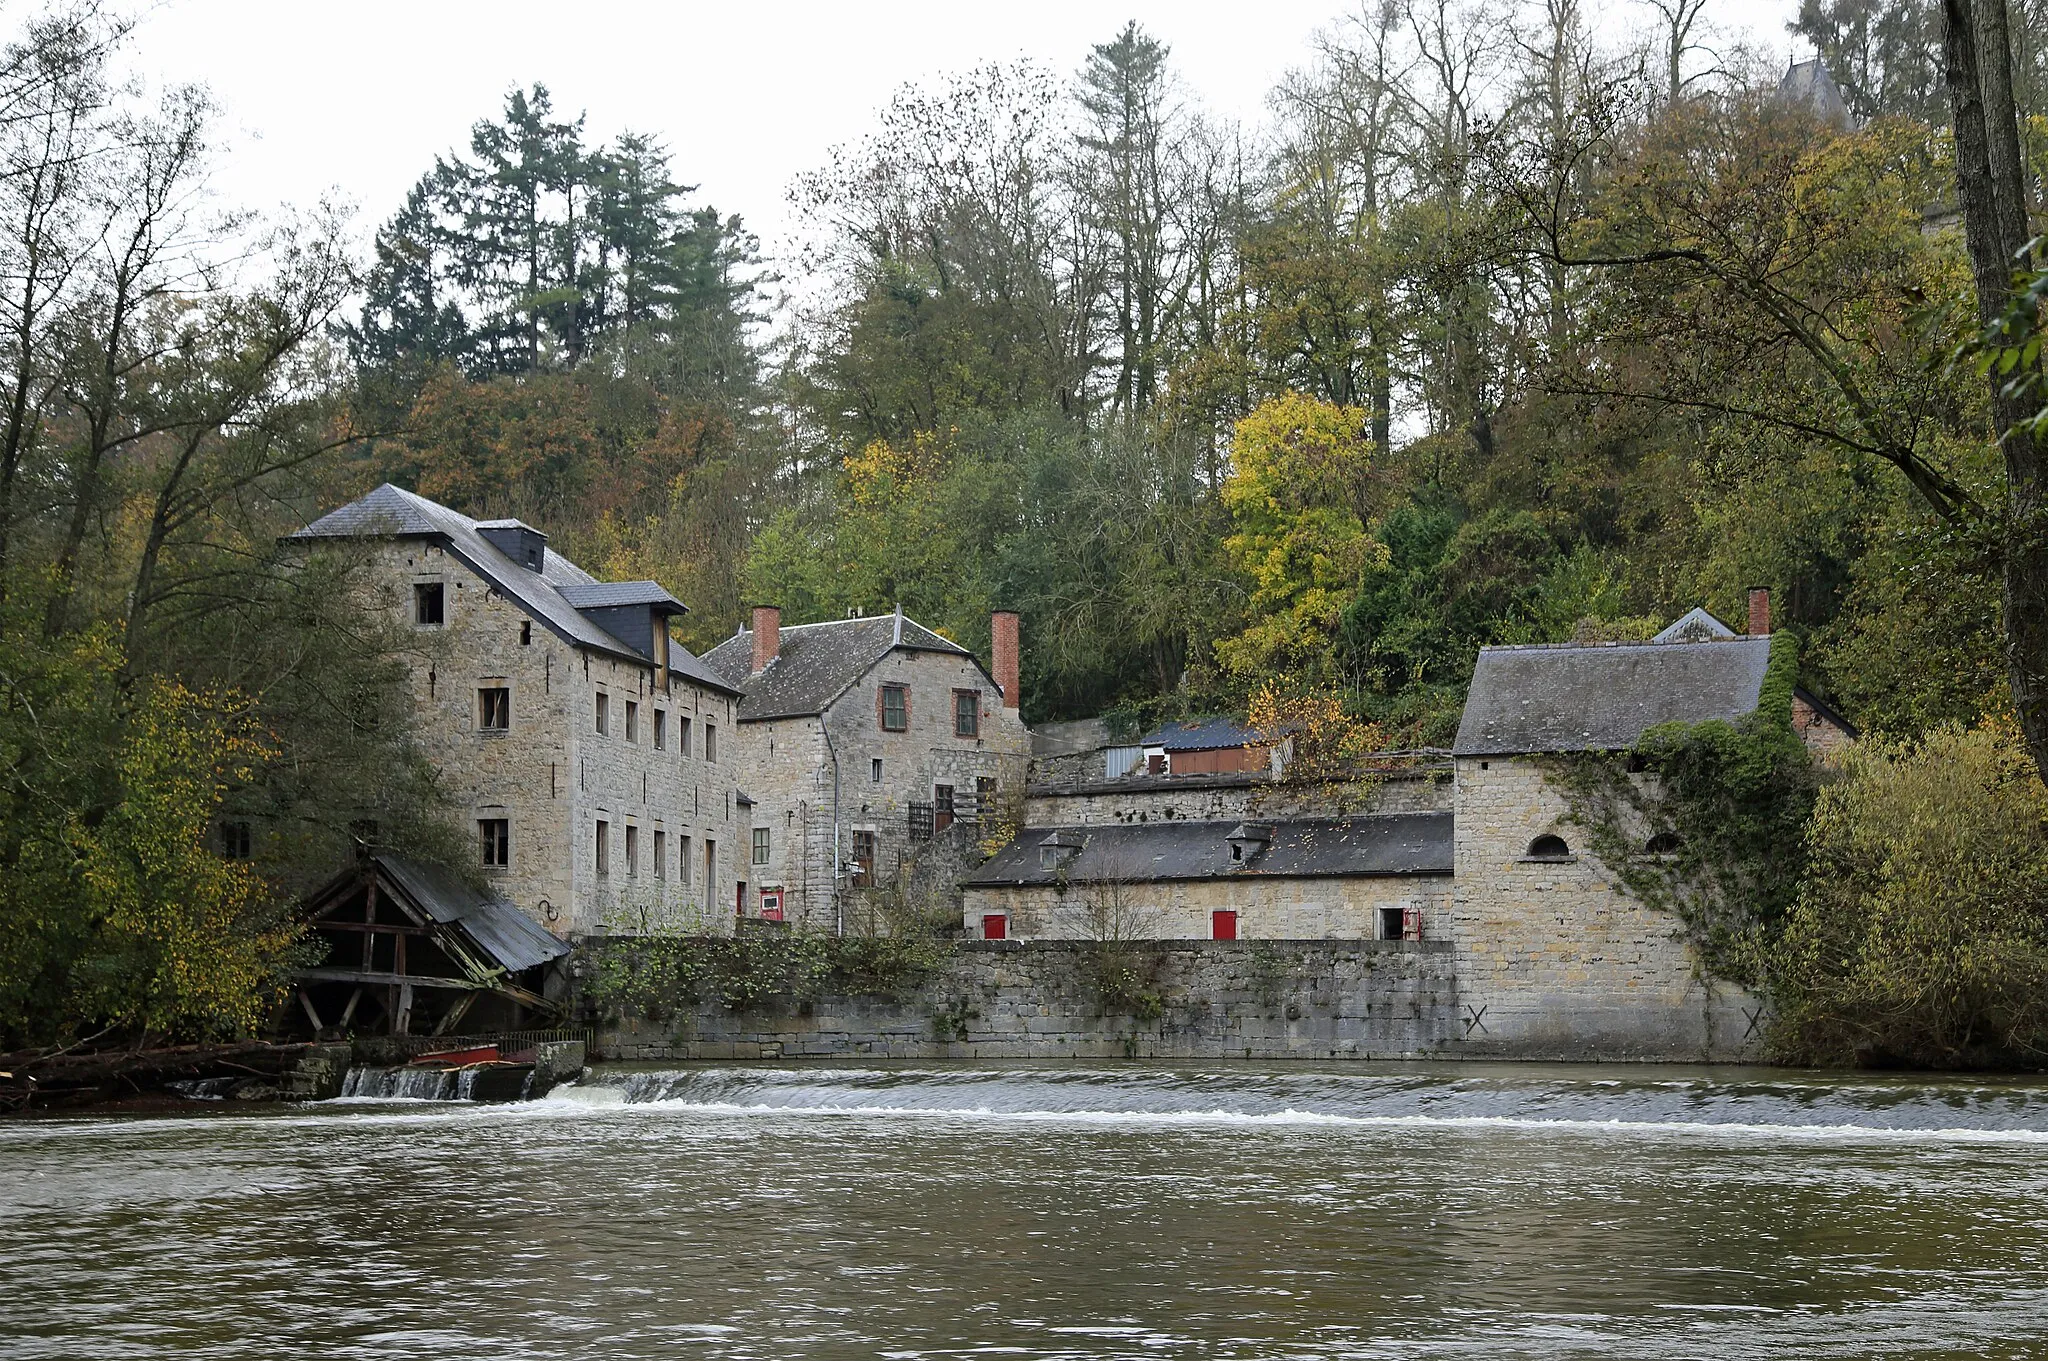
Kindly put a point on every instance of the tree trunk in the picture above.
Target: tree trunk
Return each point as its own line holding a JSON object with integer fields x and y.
{"x": 1976, "y": 52}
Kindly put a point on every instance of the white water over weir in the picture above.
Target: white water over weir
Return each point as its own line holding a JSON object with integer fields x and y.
{"x": 409, "y": 1084}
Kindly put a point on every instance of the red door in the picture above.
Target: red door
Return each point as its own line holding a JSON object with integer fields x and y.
{"x": 1223, "y": 926}
{"x": 995, "y": 926}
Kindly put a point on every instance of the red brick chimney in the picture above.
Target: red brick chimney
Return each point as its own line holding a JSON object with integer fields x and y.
{"x": 1759, "y": 610}
{"x": 1003, "y": 656}
{"x": 767, "y": 636}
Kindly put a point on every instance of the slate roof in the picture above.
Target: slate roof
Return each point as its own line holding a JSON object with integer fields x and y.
{"x": 1209, "y": 734}
{"x": 1694, "y": 626}
{"x": 1378, "y": 844}
{"x": 605, "y": 594}
{"x": 816, "y": 663}
{"x": 393, "y": 512}
{"x": 1809, "y": 84}
{"x": 1601, "y": 697}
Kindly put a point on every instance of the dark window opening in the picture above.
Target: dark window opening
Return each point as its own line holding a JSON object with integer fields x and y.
{"x": 895, "y": 709}
{"x": 1549, "y": 848}
{"x": 632, "y": 721}
{"x": 874, "y": 770}
{"x": 494, "y": 708}
{"x": 632, "y": 849}
{"x": 604, "y": 713}
{"x": 762, "y": 837}
{"x": 496, "y": 835}
{"x": 526, "y": 633}
{"x": 234, "y": 840}
{"x": 942, "y": 807}
{"x": 967, "y": 713}
{"x": 426, "y": 602}
{"x": 920, "y": 822}
{"x": 682, "y": 736}
{"x": 711, "y": 743}
{"x": 604, "y": 847}
{"x": 1392, "y": 923}
{"x": 660, "y": 730}
{"x": 863, "y": 859}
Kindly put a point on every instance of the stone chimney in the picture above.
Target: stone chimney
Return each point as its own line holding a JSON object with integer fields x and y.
{"x": 767, "y": 636}
{"x": 1003, "y": 656}
{"x": 1759, "y": 609}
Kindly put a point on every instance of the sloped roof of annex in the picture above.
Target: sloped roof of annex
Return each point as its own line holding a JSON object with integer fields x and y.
{"x": 1364, "y": 845}
{"x": 552, "y": 595}
{"x": 817, "y": 663}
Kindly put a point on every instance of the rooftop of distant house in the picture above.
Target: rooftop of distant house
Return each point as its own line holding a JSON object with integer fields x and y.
{"x": 814, "y": 664}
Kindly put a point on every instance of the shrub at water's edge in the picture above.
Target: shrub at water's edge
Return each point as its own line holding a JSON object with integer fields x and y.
{"x": 1920, "y": 933}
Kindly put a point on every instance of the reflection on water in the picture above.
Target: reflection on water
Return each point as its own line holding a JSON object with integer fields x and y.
{"x": 1039, "y": 1212}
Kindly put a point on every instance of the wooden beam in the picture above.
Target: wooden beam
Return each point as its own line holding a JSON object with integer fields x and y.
{"x": 455, "y": 1014}
{"x": 306, "y": 1001}
{"x": 379, "y": 928}
{"x": 403, "y": 1026}
{"x": 348, "y": 1012}
{"x": 367, "y": 976}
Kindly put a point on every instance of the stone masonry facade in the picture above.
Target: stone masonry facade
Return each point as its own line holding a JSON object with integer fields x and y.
{"x": 552, "y": 776}
{"x": 1554, "y": 957}
{"x": 790, "y": 766}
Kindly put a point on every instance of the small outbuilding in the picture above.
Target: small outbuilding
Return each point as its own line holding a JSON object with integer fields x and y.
{"x": 413, "y": 949}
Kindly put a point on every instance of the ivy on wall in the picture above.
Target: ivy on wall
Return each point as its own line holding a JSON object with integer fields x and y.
{"x": 1707, "y": 820}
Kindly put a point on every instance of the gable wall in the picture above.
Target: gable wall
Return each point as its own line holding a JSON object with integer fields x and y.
{"x": 1556, "y": 960}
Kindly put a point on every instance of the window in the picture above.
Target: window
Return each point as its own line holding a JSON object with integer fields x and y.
{"x": 632, "y": 849}
{"x": 234, "y": 840}
{"x": 874, "y": 770}
{"x": 1549, "y": 848}
{"x": 426, "y": 602}
{"x": 967, "y": 713}
{"x": 762, "y": 838}
{"x": 920, "y": 822}
{"x": 863, "y": 859}
{"x": 683, "y": 861}
{"x": 1048, "y": 857}
{"x": 632, "y": 721}
{"x": 682, "y": 735}
{"x": 710, "y": 868}
{"x": 1223, "y": 925}
{"x": 604, "y": 713}
{"x": 1393, "y": 923}
{"x": 895, "y": 708}
{"x": 494, "y": 708}
{"x": 660, "y": 730}
{"x": 711, "y": 742}
{"x": 660, "y": 854}
{"x": 995, "y": 926}
{"x": 526, "y": 633}
{"x": 604, "y": 847}
{"x": 496, "y": 835}
{"x": 942, "y": 807}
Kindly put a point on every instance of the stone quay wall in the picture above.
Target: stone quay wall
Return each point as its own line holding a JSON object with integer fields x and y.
{"x": 1042, "y": 1000}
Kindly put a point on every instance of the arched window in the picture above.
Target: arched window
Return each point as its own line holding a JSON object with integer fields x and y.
{"x": 1549, "y": 847}
{"x": 1664, "y": 843}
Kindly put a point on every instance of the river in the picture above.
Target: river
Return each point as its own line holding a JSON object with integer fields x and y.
{"x": 1037, "y": 1211}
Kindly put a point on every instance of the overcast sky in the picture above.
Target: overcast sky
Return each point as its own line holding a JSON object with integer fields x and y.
{"x": 359, "y": 95}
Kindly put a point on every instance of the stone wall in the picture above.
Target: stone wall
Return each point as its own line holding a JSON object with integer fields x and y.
{"x": 1554, "y": 958}
{"x": 1007, "y": 999}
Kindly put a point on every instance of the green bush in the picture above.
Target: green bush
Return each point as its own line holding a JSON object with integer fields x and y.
{"x": 1920, "y": 933}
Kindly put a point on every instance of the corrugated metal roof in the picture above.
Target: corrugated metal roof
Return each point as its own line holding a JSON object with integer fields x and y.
{"x": 515, "y": 940}
{"x": 1527, "y": 700}
{"x": 816, "y": 663}
{"x": 393, "y": 512}
{"x": 1365, "y": 845}
{"x": 1208, "y": 734}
